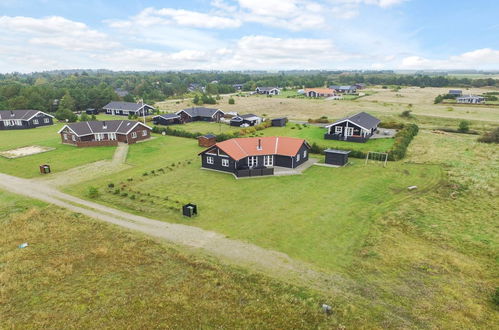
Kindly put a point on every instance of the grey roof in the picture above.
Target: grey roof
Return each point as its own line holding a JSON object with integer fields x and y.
{"x": 336, "y": 151}
{"x": 266, "y": 89}
{"x": 168, "y": 116}
{"x": 362, "y": 119}
{"x": 281, "y": 118}
{"x": 108, "y": 126}
{"x": 200, "y": 112}
{"x": 130, "y": 106}
{"x": 209, "y": 136}
{"x": 342, "y": 87}
{"x": 455, "y": 91}
{"x": 249, "y": 115}
{"x": 19, "y": 114}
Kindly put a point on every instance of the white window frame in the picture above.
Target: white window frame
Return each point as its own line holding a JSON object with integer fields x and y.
{"x": 252, "y": 161}
{"x": 73, "y": 138}
{"x": 268, "y": 160}
{"x": 144, "y": 132}
{"x": 134, "y": 135}
{"x": 338, "y": 129}
{"x": 304, "y": 153}
{"x": 35, "y": 121}
{"x": 99, "y": 136}
{"x": 210, "y": 160}
{"x": 348, "y": 131}
{"x": 225, "y": 162}
{"x": 46, "y": 120}
{"x": 111, "y": 136}
{"x": 298, "y": 157}
{"x": 18, "y": 122}
{"x": 65, "y": 136}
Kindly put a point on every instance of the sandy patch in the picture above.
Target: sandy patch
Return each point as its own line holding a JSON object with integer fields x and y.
{"x": 24, "y": 151}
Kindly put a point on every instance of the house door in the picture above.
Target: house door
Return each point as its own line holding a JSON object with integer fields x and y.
{"x": 348, "y": 131}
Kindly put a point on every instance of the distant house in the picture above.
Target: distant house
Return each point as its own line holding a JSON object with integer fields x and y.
{"x": 117, "y": 108}
{"x": 456, "y": 92}
{"x": 238, "y": 87}
{"x": 207, "y": 140}
{"x": 344, "y": 89}
{"x": 268, "y": 90}
{"x": 279, "y": 122}
{"x": 194, "y": 87}
{"x": 104, "y": 133}
{"x": 166, "y": 119}
{"x": 248, "y": 119}
{"x": 319, "y": 92}
{"x": 471, "y": 99}
{"x": 255, "y": 156}
{"x": 121, "y": 92}
{"x": 200, "y": 114}
{"x": 24, "y": 119}
{"x": 91, "y": 111}
{"x": 360, "y": 85}
{"x": 357, "y": 128}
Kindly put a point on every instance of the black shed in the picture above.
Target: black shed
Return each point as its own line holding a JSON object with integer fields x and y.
{"x": 336, "y": 157}
{"x": 189, "y": 210}
{"x": 279, "y": 122}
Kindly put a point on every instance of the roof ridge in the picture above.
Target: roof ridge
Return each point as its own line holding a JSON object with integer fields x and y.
{"x": 244, "y": 151}
{"x": 90, "y": 128}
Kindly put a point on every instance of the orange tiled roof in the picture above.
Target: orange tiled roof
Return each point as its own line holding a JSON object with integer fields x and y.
{"x": 239, "y": 148}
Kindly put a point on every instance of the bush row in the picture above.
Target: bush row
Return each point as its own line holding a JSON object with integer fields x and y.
{"x": 402, "y": 140}
{"x": 220, "y": 137}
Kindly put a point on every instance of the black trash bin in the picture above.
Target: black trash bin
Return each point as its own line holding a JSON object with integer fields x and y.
{"x": 189, "y": 210}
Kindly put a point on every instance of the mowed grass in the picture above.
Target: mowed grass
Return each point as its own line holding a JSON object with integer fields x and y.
{"x": 321, "y": 216}
{"x": 314, "y": 134}
{"x": 62, "y": 158}
{"x": 204, "y": 127}
{"x": 86, "y": 274}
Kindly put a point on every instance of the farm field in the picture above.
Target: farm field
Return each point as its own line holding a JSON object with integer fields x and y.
{"x": 64, "y": 157}
{"x": 82, "y": 272}
{"x": 314, "y": 134}
{"x": 293, "y": 217}
{"x": 387, "y": 104}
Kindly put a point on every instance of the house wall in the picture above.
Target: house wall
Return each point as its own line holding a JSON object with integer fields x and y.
{"x": 336, "y": 159}
{"x": 165, "y": 122}
{"x": 27, "y": 124}
{"x": 139, "y": 131}
{"x": 217, "y": 163}
{"x": 281, "y": 122}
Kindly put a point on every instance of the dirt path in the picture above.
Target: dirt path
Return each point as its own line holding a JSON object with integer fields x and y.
{"x": 270, "y": 262}
{"x": 90, "y": 171}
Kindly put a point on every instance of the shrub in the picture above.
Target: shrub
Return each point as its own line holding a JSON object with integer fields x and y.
{"x": 438, "y": 99}
{"x": 145, "y": 174}
{"x": 93, "y": 192}
{"x": 495, "y": 297}
{"x": 402, "y": 140}
{"x": 132, "y": 197}
{"x": 490, "y": 137}
{"x": 232, "y": 101}
{"x": 391, "y": 124}
{"x": 464, "y": 126}
{"x": 110, "y": 185}
{"x": 124, "y": 194}
{"x": 116, "y": 191}
{"x": 406, "y": 114}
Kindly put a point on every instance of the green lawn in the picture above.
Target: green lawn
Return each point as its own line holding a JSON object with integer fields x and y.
{"x": 315, "y": 134}
{"x": 62, "y": 158}
{"x": 321, "y": 216}
{"x": 205, "y": 127}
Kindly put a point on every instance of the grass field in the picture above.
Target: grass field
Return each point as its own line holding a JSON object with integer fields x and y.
{"x": 314, "y": 134}
{"x": 206, "y": 127}
{"x": 80, "y": 272}
{"x": 64, "y": 157}
{"x": 289, "y": 214}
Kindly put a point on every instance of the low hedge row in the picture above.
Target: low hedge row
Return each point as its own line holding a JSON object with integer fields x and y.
{"x": 220, "y": 137}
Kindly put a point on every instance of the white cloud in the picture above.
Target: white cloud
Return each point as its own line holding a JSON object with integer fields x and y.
{"x": 55, "y": 31}
{"x": 485, "y": 58}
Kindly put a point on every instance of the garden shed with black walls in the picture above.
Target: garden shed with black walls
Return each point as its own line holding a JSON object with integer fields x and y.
{"x": 336, "y": 157}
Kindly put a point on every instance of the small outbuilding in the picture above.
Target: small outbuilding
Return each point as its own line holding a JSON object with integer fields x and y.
{"x": 166, "y": 119}
{"x": 336, "y": 157}
{"x": 207, "y": 140}
{"x": 189, "y": 210}
{"x": 91, "y": 111}
{"x": 279, "y": 122}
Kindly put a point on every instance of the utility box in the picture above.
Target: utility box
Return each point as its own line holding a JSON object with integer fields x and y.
{"x": 336, "y": 157}
{"x": 45, "y": 169}
{"x": 189, "y": 210}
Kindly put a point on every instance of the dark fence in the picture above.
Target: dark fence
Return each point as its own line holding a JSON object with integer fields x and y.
{"x": 349, "y": 139}
{"x": 244, "y": 173}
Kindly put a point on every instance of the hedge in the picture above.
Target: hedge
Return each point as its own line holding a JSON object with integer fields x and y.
{"x": 402, "y": 140}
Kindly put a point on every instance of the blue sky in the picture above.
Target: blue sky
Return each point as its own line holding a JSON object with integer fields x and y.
{"x": 42, "y": 35}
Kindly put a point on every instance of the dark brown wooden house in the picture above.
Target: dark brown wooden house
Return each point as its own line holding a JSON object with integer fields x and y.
{"x": 24, "y": 119}
{"x": 200, "y": 114}
{"x": 207, "y": 140}
{"x": 104, "y": 133}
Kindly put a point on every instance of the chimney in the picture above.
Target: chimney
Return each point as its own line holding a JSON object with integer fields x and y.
{"x": 104, "y": 126}
{"x": 259, "y": 147}
{"x": 11, "y": 113}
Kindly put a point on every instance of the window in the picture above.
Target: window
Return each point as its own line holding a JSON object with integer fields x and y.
{"x": 111, "y": 136}
{"x": 35, "y": 121}
{"x": 252, "y": 161}
{"x": 209, "y": 160}
{"x": 65, "y": 136}
{"x": 225, "y": 162}
{"x": 304, "y": 153}
{"x": 134, "y": 135}
{"x": 144, "y": 132}
{"x": 99, "y": 136}
{"x": 298, "y": 157}
{"x": 18, "y": 122}
{"x": 338, "y": 129}
{"x": 268, "y": 160}
{"x": 46, "y": 120}
{"x": 349, "y": 131}
{"x": 73, "y": 137}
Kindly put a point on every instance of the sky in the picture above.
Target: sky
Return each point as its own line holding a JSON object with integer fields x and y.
{"x": 40, "y": 35}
